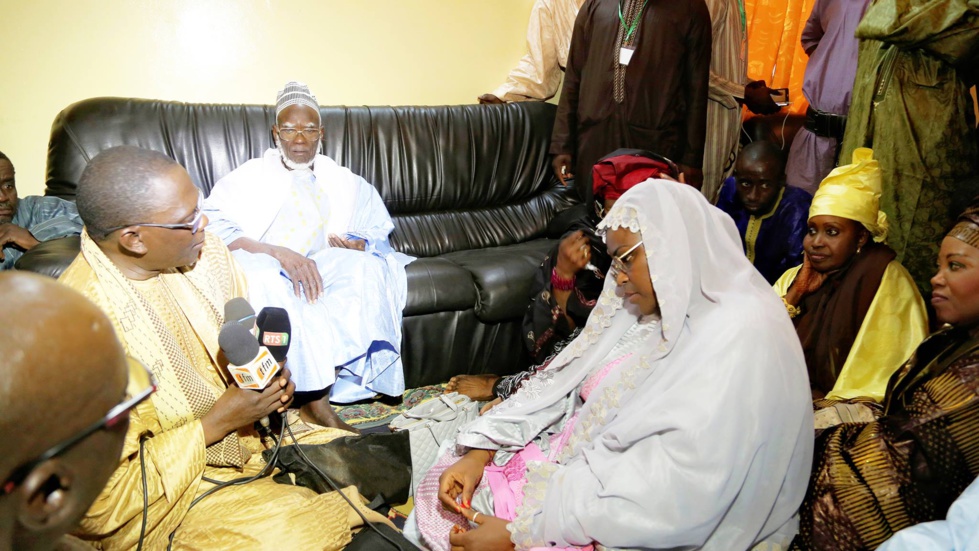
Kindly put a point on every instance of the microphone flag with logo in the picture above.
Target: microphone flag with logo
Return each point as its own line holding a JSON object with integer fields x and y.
{"x": 252, "y": 366}
{"x": 275, "y": 331}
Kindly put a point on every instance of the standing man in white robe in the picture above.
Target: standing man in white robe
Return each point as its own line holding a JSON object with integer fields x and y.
{"x": 312, "y": 238}
{"x": 538, "y": 74}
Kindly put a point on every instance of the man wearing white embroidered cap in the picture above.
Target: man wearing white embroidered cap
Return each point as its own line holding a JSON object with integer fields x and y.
{"x": 313, "y": 238}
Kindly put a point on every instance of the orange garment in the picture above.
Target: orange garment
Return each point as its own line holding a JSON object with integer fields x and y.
{"x": 775, "y": 52}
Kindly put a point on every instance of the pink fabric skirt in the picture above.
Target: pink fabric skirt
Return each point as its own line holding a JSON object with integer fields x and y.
{"x": 506, "y": 483}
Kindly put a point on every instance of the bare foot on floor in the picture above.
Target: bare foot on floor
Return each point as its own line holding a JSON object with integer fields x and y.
{"x": 321, "y": 412}
{"x": 477, "y": 387}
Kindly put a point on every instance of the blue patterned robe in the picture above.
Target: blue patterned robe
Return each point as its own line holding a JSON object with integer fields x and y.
{"x": 46, "y": 218}
{"x": 772, "y": 241}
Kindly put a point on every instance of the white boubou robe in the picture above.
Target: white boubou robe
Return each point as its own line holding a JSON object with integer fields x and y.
{"x": 351, "y": 337}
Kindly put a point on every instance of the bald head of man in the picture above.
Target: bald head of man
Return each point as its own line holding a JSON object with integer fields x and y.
{"x": 63, "y": 373}
{"x": 141, "y": 208}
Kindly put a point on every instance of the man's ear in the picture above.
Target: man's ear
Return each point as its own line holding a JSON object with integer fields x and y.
{"x": 46, "y": 497}
{"x": 132, "y": 241}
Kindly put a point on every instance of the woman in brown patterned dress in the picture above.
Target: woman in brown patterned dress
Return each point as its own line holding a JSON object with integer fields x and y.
{"x": 909, "y": 464}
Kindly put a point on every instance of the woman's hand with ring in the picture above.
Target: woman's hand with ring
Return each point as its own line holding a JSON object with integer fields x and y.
{"x": 573, "y": 254}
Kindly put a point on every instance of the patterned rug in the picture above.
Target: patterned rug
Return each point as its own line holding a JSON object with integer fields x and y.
{"x": 373, "y": 414}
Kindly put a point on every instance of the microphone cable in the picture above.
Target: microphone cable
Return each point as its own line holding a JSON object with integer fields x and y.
{"x": 336, "y": 489}
{"x": 146, "y": 494}
{"x": 220, "y": 485}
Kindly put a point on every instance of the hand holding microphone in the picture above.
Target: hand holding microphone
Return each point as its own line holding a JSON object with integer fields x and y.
{"x": 253, "y": 367}
{"x": 251, "y": 364}
{"x": 238, "y": 407}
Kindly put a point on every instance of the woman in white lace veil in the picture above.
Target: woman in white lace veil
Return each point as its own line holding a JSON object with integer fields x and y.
{"x": 678, "y": 418}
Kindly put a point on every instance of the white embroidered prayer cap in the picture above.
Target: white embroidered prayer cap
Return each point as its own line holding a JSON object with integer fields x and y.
{"x": 295, "y": 93}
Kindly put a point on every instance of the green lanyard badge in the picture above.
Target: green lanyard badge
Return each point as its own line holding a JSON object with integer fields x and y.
{"x": 630, "y": 29}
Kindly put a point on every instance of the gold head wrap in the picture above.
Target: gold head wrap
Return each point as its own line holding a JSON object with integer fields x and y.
{"x": 966, "y": 228}
{"x": 853, "y": 191}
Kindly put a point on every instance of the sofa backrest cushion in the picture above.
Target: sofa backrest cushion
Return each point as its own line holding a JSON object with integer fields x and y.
{"x": 452, "y": 177}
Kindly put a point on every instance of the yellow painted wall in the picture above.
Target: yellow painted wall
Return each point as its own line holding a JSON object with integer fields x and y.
{"x": 350, "y": 52}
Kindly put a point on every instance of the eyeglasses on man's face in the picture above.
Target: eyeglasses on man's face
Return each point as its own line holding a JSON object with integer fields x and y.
{"x": 623, "y": 262}
{"x": 289, "y": 134}
{"x": 140, "y": 386}
{"x": 194, "y": 225}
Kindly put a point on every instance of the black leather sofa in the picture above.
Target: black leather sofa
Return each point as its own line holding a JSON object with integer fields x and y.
{"x": 469, "y": 188}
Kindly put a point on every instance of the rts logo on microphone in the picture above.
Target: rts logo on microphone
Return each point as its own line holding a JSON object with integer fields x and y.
{"x": 275, "y": 339}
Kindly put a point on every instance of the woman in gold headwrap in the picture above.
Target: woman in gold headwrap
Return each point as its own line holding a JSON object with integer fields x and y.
{"x": 856, "y": 309}
{"x": 907, "y": 466}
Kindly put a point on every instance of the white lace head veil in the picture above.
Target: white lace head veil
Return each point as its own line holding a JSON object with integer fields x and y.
{"x": 695, "y": 259}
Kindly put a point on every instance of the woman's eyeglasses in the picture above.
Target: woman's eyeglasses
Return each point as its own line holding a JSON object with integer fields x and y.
{"x": 620, "y": 264}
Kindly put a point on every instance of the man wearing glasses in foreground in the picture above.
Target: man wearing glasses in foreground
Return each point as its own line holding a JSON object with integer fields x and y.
{"x": 163, "y": 281}
{"x": 64, "y": 408}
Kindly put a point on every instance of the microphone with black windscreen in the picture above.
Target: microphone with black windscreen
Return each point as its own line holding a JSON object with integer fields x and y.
{"x": 274, "y": 331}
{"x": 250, "y": 365}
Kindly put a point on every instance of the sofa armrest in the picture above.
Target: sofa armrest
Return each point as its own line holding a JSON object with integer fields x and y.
{"x": 50, "y": 258}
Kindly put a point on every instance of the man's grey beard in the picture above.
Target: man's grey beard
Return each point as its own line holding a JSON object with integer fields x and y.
{"x": 293, "y": 165}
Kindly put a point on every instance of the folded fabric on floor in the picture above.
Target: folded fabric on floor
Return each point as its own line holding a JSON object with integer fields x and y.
{"x": 377, "y": 413}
